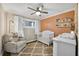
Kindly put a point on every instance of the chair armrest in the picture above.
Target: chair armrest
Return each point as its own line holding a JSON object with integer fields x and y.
{"x": 11, "y": 47}
{"x": 13, "y": 43}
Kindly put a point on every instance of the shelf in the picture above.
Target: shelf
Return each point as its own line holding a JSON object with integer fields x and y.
{"x": 63, "y": 22}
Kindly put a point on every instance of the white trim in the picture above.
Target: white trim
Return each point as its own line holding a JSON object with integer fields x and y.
{"x": 59, "y": 13}
{"x": 28, "y": 21}
{"x": 30, "y": 41}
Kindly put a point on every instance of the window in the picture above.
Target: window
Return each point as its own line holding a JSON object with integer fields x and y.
{"x": 29, "y": 23}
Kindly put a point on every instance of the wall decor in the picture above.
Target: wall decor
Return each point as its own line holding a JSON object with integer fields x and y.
{"x": 66, "y": 22}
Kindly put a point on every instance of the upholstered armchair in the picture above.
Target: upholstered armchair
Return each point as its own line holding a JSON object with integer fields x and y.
{"x": 46, "y": 37}
{"x": 13, "y": 45}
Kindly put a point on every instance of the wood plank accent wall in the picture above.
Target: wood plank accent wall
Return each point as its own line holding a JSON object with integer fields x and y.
{"x": 50, "y": 23}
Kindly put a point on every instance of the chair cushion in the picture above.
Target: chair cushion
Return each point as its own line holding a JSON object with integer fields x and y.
{"x": 14, "y": 39}
{"x": 20, "y": 43}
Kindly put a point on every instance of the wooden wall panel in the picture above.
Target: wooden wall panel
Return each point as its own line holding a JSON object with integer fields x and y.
{"x": 50, "y": 23}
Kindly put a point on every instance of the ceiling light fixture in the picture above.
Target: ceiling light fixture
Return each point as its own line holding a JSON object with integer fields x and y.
{"x": 38, "y": 13}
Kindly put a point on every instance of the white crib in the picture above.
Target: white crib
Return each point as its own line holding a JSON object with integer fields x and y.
{"x": 46, "y": 37}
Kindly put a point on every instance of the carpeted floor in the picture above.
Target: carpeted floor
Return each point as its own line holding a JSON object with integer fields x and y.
{"x": 37, "y": 48}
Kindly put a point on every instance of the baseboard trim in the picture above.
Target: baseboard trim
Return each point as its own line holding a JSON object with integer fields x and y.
{"x": 42, "y": 42}
{"x": 31, "y": 41}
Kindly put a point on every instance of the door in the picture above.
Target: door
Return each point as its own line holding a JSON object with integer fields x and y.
{"x": 29, "y": 34}
{"x": 0, "y": 36}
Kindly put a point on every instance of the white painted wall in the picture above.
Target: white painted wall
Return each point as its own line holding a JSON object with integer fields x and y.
{"x": 2, "y": 27}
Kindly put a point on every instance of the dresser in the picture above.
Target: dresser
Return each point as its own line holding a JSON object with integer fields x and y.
{"x": 63, "y": 47}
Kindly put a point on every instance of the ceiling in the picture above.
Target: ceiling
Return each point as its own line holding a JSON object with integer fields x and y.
{"x": 21, "y": 9}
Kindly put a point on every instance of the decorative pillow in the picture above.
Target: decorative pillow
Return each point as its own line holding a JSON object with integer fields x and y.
{"x": 15, "y": 35}
{"x": 10, "y": 39}
{"x": 15, "y": 39}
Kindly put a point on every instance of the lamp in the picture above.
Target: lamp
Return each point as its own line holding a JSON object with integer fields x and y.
{"x": 72, "y": 32}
